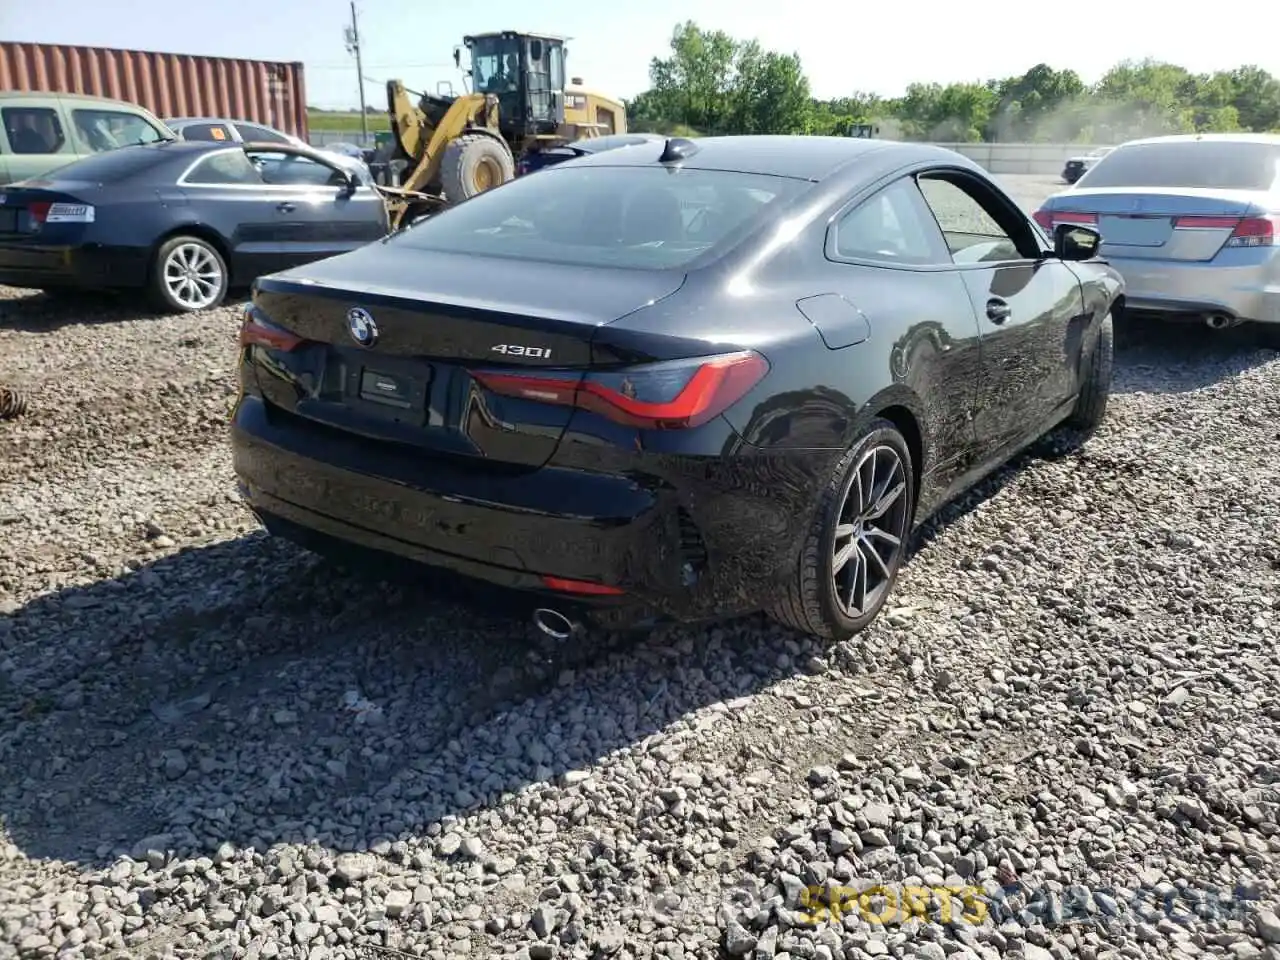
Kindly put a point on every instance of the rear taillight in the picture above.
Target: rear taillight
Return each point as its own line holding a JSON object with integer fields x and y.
{"x": 42, "y": 211}
{"x": 657, "y": 396}
{"x": 1049, "y": 219}
{"x": 1254, "y": 232}
{"x": 583, "y": 588}
{"x": 256, "y": 331}
{"x": 1246, "y": 232}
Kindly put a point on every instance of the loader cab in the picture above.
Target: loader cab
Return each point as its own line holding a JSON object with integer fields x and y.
{"x": 526, "y": 72}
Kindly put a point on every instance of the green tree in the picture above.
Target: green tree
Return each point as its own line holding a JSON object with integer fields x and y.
{"x": 692, "y": 85}
{"x": 770, "y": 93}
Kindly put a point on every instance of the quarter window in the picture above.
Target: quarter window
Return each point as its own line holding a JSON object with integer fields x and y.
{"x": 207, "y": 131}
{"x": 252, "y": 133}
{"x": 33, "y": 130}
{"x": 972, "y": 234}
{"x": 231, "y": 167}
{"x": 892, "y": 226}
{"x": 111, "y": 129}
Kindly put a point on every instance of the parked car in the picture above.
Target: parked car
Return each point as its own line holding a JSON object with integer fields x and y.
{"x": 1191, "y": 222}
{"x": 40, "y": 132}
{"x": 220, "y": 130}
{"x": 187, "y": 221}
{"x": 1077, "y": 167}
{"x": 539, "y": 159}
{"x": 678, "y": 381}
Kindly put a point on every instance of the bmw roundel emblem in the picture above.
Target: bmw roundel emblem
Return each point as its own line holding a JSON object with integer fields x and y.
{"x": 361, "y": 326}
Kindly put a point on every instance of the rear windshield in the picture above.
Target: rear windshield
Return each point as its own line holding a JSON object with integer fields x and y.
{"x": 1205, "y": 164}
{"x": 110, "y": 166}
{"x": 636, "y": 217}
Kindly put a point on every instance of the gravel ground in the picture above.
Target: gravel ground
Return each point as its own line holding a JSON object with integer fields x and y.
{"x": 215, "y": 745}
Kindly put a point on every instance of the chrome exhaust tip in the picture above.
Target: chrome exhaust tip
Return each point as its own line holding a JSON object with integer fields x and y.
{"x": 553, "y": 624}
{"x": 1219, "y": 321}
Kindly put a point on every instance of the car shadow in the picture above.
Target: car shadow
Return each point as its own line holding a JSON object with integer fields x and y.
{"x": 250, "y": 692}
{"x": 1161, "y": 357}
{"x": 33, "y": 311}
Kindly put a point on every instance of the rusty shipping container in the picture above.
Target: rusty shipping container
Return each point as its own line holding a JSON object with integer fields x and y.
{"x": 167, "y": 84}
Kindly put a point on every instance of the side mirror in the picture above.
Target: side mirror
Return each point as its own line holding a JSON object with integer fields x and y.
{"x": 457, "y": 57}
{"x": 350, "y": 183}
{"x": 1074, "y": 242}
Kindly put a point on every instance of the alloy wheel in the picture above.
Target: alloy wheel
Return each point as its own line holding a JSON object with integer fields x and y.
{"x": 870, "y": 531}
{"x": 193, "y": 276}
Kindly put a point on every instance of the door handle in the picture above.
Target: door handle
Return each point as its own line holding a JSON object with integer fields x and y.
{"x": 998, "y": 310}
{"x": 286, "y": 207}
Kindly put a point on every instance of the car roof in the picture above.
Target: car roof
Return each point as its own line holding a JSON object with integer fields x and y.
{"x": 612, "y": 141}
{"x": 79, "y": 97}
{"x": 799, "y": 157}
{"x": 1270, "y": 138}
{"x": 253, "y": 123}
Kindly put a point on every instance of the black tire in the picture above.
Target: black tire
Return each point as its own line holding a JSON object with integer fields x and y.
{"x": 810, "y": 602}
{"x": 1091, "y": 403}
{"x": 474, "y": 163}
{"x": 208, "y": 271}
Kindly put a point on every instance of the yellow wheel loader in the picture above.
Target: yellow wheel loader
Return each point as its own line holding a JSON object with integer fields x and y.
{"x": 455, "y": 147}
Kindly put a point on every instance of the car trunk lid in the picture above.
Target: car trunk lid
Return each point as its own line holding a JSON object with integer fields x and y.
{"x": 1187, "y": 224}
{"x": 26, "y": 207}
{"x": 409, "y": 382}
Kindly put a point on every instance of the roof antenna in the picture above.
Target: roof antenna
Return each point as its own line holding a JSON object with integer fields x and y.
{"x": 677, "y": 148}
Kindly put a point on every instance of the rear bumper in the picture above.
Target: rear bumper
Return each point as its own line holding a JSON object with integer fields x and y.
{"x": 509, "y": 531}
{"x": 91, "y": 266}
{"x": 1246, "y": 292}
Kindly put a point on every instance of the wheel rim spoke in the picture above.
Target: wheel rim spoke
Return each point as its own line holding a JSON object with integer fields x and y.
{"x": 886, "y": 500}
{"x": 873, "y": 559}
{"x": 842, "y": 556}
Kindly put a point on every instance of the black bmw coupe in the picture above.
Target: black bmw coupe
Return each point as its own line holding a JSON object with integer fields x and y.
{"x": 680, "y": 381}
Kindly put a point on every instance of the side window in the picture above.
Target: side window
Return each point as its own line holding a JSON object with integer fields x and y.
{"x": 252, "y": 133}
{"x": 33, "y": 129}
{"x": 206, "y": 131}
{"x": 289, "y": 169}
{"x": 973, "y": 230}
{"x": 109, "y": 129}
{"x": 224, "y": 168}
{"x": 893, "y": 226}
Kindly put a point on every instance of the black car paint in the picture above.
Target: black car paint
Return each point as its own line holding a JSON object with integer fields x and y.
{"x": 257, "y": 229}
{"x": 692, "y": 523}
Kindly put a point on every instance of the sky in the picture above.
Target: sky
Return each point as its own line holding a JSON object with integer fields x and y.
{"x": 844, "y": 46}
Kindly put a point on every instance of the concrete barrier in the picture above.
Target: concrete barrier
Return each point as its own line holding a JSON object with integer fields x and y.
{"x": 1035, "y": 158}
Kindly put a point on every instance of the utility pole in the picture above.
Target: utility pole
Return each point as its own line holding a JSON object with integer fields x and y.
{"x": 353, "y": 47}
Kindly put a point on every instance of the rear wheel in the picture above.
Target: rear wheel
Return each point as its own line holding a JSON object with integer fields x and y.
{"x": 188, "y": 274}
{"x": 473, "y": 164}
{"x": 857, "y": 540}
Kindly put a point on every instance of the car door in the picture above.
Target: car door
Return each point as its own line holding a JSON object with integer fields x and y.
{"x": 321, "y": 216}
{"x": 1029, "y": 306}
{"x": 893, "y": 268}
{"x": 35, "y": 134}
{"x": 226, "y": 191}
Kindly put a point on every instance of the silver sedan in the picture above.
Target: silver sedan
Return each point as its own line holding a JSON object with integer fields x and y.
{"x": 1191, "y": 222}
